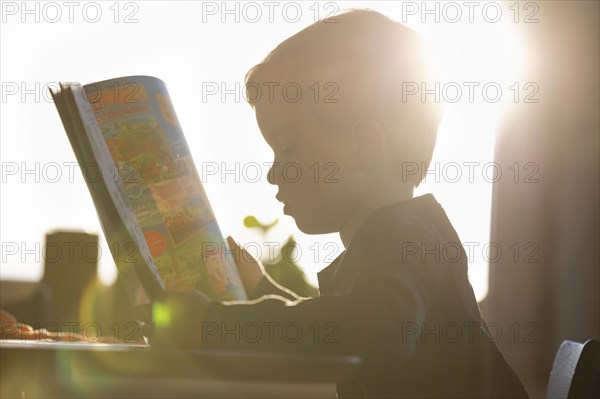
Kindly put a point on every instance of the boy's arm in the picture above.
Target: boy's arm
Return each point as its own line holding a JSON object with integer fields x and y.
{"x": 268, "y": 286}
{"x": 389, "y": 304}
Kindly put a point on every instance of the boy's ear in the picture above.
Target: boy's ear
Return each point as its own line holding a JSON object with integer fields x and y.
{"x": 370, "y": 143}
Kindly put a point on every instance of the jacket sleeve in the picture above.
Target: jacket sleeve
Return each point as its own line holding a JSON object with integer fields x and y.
{"x": 268, "y": 286}
{"x": 387, "y": 305}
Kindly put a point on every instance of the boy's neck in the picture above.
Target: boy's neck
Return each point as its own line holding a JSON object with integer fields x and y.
{"x": 388, "y": 196}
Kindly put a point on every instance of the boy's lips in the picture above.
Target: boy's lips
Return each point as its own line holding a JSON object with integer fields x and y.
{"x": 286, "y": 204}
{"x": 286, "y": 208}
{"x": 281, "y": 199}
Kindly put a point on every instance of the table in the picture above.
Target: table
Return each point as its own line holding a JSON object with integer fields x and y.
{"x": 48, "y": 369}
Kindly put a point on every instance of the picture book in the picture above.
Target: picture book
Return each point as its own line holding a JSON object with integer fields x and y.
{"x": 154, "y": 212}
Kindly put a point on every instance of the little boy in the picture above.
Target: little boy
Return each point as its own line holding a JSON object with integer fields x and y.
{"x": 330, "y": 102}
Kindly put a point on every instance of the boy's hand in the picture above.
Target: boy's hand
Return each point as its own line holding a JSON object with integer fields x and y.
{"x": 251, "y": 271}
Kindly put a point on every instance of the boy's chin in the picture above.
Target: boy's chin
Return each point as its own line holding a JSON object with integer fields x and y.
{"x": 314, "y": 226}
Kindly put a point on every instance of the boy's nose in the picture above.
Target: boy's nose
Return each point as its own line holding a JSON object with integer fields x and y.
{"x": 271, "y": 174}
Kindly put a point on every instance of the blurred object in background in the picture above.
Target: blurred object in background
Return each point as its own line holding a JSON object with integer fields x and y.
{"x": 549, "y": 292}
{"x": 286, "y": 272}
{"x": 283, "y": 267}
{"x": 27, "y": 300}
{"x": 70, "y": 297}
{"x": 71, "y": 264}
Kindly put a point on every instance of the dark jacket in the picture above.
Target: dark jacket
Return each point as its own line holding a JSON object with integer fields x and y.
{"x": 399, "y": 297}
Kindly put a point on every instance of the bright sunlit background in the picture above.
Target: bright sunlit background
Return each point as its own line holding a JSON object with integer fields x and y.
{"x": 192, "y": 45}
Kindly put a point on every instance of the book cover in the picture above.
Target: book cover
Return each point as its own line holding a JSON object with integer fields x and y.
{"x": 142, "y": 160}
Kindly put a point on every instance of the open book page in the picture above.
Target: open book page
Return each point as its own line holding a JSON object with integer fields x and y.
{"x": 137, "y": 141}
{"x": 105, "y": 170}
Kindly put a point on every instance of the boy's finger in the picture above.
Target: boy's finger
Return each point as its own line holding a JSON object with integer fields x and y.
{"x": 241, "y": 255}
{"x": 232, "y": 243}
{"x": 235, "y": 248}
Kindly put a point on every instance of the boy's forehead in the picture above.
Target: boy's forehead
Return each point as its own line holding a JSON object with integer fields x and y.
{"x": 298, "y": 98}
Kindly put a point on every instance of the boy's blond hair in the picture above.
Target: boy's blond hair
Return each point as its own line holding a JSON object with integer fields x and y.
{"x": 364, "y": 64}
